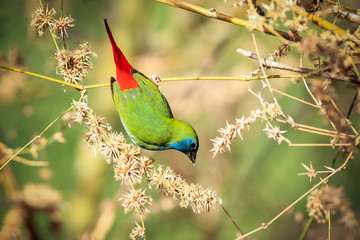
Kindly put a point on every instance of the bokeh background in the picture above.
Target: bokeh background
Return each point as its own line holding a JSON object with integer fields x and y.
{"x": 256, "y": 180}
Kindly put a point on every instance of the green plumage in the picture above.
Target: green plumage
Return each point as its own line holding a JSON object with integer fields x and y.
{"x": 147, "y": 117}
{"x": 144, "y": 111}
{"x": 139, "y": 110}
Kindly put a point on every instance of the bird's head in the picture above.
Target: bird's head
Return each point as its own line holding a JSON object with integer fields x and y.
{"x": 185, "y": 139}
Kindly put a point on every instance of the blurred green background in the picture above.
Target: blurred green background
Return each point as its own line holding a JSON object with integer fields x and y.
{"x": 256, "y": 180}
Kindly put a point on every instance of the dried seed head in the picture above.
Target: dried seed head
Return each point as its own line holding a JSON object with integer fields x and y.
{"x": 111, "y": 148}
{"x": 193, "y": 195}
{"x": 96, "y": 128}
{"x": 136, "y": 199}
{"x": 315, "y": 207}
{"x": 61, "y": 26}
{"x": 73, "y": 65}
{"x": 127, "y": 171}
{"x": 42, "y": 19}
{"x": 137, "y": 231}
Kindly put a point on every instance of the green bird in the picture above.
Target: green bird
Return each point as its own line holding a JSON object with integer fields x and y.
{"x": 145, "y": 112}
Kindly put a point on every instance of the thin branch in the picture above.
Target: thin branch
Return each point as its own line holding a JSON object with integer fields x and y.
{"x": 232, "y": 220}
{"x": 212, "y": 13}
{"x": 319, "y": 131}
{"x": 79, "y": 87}
{"x": 295, "y": 98}
{"x": 306, "y": 71}
{"x": 266, "y": 225}
{"x": 303, "y": 234}
{"x": 312, "y": 95}
{"x": 345, "y": 7}
{"x": 262, "y": 67}
{"x": 36, "y": 137}
{"x": 320, "y": 144}
{"x": 342, "y": 115}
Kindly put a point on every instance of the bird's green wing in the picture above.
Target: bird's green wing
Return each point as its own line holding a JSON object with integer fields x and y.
{"x": 147, "y": 86}
{"x": 144, "y": 112}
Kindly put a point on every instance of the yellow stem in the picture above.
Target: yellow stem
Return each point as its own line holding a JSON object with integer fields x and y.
{"x": 229, "y": 78}
{"x": 54, "y": 39}
{"x": 345, "y": 7}
{"x": 212, "y": 13}
{"x": 262, "y": 67}
{"x": 316, "y": 129}
{"x": 143, "y": 225}
{"x": 319, "y": 21}
{"x": 79, "y": 87}
{"x": 97, "y": 85}
{"x": 319, "y": 133}
{"x": 295, "y": 98}
{"x": 319, "y": 172}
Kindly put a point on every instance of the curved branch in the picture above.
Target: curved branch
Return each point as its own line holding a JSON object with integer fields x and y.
{"x": 212, "y": 13}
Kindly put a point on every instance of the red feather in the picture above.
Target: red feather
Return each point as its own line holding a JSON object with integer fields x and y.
{"x": 123, "y": 68}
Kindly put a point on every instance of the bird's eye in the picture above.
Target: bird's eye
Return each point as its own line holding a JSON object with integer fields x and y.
{"x": 192, "y": 145}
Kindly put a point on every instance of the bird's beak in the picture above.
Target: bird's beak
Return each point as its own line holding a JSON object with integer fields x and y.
{"x": 192, "y": 156}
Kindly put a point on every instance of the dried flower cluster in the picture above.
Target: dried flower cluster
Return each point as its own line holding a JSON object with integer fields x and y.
{"x": 190, "y": 195}
{"x": 136, "y": 199}
{"x": 269, "y": 113}
{"x": 130, "y": 167}
{"x": 315, "y": 207}
{"x": 44, "y": 18}
{"x": 332, "y": 200}
{"x": 137, "y": 231}
{"x": 73, "y": 65}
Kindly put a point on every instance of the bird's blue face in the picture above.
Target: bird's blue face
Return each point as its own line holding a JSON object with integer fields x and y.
{"x": 189, "y": 146}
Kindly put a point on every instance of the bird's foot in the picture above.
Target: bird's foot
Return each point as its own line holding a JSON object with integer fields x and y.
{"x": 155, "y": 79}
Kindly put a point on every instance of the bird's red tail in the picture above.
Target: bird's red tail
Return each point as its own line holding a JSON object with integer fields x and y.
{"x": 123, "y": 68}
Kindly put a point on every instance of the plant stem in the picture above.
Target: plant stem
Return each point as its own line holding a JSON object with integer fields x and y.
{"x": 232, "y": 220}
{"x": 319, "y": 21}
{"x": 303, "y": 234}
{"x": 295, "y": 98}
{"x": 35, "y": 138}
{"x": 320, "y": 144}
{"x": 212, "y": 13}
{"x": 266, "y": 225}
{"x": 79, "y": 87}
